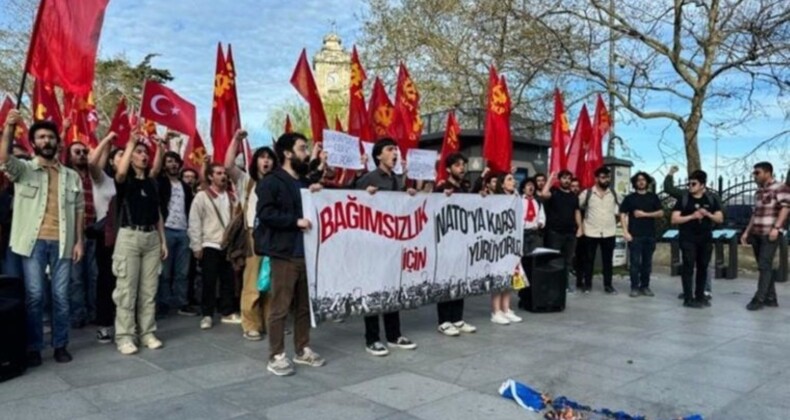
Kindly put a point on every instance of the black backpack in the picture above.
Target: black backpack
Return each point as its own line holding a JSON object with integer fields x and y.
{"x": 712, "y": 198}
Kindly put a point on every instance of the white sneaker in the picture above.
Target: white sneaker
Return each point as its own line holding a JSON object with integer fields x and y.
{"x": 309, "y": 358}
{"x": 252, "y": 335}
{"x": 499, "y": 318}
{"x": 231, "y": 319}
{"x": 127, "y": 348}
{"x": 152, "y": 342}
{"x": 449, "y": 330}
{"x": 377, "y": 349}
{"x": 464, "y": 327}
{"x": 280, "y": 365}
{"x": 512, "y": 317}
{"x": 206, "y": 323}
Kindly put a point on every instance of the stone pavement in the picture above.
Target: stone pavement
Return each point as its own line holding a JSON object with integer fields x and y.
{"x": 644, "y": 355}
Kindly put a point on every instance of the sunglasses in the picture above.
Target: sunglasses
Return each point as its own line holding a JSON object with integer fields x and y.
{"x": 692, "y": 184}
{"x": 80, "y": 152}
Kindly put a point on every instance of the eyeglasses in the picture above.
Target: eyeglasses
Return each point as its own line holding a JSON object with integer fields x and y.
{"x": 80, "y": 152}
{"x": 692, "y": 184}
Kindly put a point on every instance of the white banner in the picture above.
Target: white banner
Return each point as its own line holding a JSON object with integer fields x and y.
{"x": 369, "y": 254}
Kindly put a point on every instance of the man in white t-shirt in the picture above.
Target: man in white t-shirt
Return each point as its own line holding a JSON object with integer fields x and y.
{"x": 253, "y": 305}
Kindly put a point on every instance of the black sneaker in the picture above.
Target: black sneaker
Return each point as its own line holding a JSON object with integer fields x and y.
{"x": 772, "y": 303}
{"x": 33, "y": 359}
{"x": 62, "y": 355}
{"x": 610, "y": 290}
{"x": 377, "y": 349}
{"x": 755, "y": 305}
{"x": 634, "y": 293}
{"x": 647, "y": 292}
{"x": 103, "y": 335}
{"x": 188, "y": 311}
{"x": 682, "y": 296}
{"x": 704, "y": 302}
{"x": 692, "y": 304}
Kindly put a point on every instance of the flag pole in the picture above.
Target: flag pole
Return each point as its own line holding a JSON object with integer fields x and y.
{"x": 33, "y": 35}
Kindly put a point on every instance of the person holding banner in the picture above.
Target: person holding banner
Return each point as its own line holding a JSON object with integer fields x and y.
{"x": 279, "y": 211}
{"x": 500, "y": 302}
{"x": 385, "y": 155}
{"x": 451, "y": 313}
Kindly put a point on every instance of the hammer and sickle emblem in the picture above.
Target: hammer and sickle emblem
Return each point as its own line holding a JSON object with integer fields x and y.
{"x": 356, "y": 75}
{"x": 498, "y": 99}
{"x": 409, "y": 91}
{"x": 198, "y": 156}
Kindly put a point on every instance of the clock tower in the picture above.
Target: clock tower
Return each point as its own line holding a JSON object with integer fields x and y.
{"x": 332, "y": 68}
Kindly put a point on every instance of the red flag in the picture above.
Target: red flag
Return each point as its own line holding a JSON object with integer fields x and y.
{"x": 195, "y": 153}
{"x": 81, "y": 110}
{"x": 64, "y": 42}
{"x": 225, "y": 119}
{"x": 497, "y": 143}
{"x": 450, "y": 145}
{"x": 121, "y": 124}
{"x": 560, "y": 136}
{"x": 601, "y": 125}
{"x": 581, "y": 134}
{"x": 338, "y": 124}
{"x": 20, "y": 134}
{"x": 358, "y": 118}
{"x": 45, "y": 104}
{"x": 161, "y": 105}
{"x": 302, "y": 80}
{"x": 288, "y": 127}
{"x": 380, "y": 110}
{"x": 407, "y": 126}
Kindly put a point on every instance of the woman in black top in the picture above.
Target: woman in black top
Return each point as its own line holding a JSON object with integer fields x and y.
{"x": 139, "y": 249}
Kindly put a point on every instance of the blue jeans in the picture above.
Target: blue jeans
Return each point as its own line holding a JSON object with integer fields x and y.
{"x": 82, "y": 291}
{"x": 45, "y": 253}
{"x": 175, "y": 267}
{"x": 640, "y": 260}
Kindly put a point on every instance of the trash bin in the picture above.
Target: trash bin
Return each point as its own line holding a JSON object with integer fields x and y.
{"x": 725, "y": 269}
{"x": 547, "y": 274}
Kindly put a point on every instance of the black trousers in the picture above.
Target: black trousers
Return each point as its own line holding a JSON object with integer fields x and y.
{"x": 391, "y": 327}
{"x": 450, "y": 311}
{"x": 105, "y": 284}
{"x": 579, "y": 264}
{"x": 217, "y": 271}
{"x": 607, "y": 251}
{"x": 764, "y": 252}
{"x": 696, "y": 255}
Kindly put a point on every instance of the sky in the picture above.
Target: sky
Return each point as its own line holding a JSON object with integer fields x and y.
{"x": 268, "y": 36}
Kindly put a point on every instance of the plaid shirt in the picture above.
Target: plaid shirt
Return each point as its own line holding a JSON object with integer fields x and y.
{"x": 769, "y": 200}
{"x": 87, "y": 192}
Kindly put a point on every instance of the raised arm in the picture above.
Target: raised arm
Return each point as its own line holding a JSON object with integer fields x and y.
{"x": 9, "y": 126}
{"x": 669, "y": 184}
{"x": 159, "y": 160}
{"x": 97, "y": 158}
{"x": 126, "y": 160}
{"x": 230, "y": 156}
{"x": 545, "y": 193}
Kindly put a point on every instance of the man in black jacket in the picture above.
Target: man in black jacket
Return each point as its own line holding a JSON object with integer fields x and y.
{"x": 175, "y": 200}
{"x": 280, "y": 216}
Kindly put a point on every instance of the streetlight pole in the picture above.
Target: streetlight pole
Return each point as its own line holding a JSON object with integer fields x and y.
{"x": 610, "y": 82}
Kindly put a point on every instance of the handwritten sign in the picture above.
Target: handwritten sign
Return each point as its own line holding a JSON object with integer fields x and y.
{"x": 342, "y": 150}
{"x": 372, "y": 165}
{"x": 421, "y": 164}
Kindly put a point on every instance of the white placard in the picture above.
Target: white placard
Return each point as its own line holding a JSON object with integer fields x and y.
{"x": 377, "y": 253}
{"x": 421, "y": 164}
{"x": 342, "y": 150}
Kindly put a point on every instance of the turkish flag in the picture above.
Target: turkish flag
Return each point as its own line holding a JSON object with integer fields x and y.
{"x": 381, "y": 110}
{"x": 225, "y": 118}
{"x": 497, "y": 141}
{"x": 81, "y": 110}
{"x": 580, "y": 142}
{"x": 288, "y": 127}
{"x": 302, "y": 80}
{"x": 45, "y": 104}
{"x": 407, "y": 127}
{"x": 560, "y": 136}
{"x": 195, "y": 153}
{"x": 450, "y": 145}
{"x": 64, "y": 41}
{"x": 601, "y": 125}
{"x": 358, "y": 117}
{"x": 20, "y": 134}
{"x": 161, "y": 105}
{"x": 121, "y": 125}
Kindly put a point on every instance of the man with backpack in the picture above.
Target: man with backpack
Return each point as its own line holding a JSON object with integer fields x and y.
{"x": 696, "y": 213}
{"x": 600, "y": 207}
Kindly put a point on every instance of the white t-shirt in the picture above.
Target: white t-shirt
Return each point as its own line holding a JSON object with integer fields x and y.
{"x": 241, "y": 190}
{"x": 103, "y": 192}
{"x": 176, "y": 212}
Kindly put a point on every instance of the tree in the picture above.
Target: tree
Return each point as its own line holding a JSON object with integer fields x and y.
{"x": 299, "y": 114}
{"x": 448, "y": 46}
{"x": 695, "y": 54}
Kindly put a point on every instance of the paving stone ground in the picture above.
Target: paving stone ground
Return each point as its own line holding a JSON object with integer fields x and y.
{"x": 644, "y": 355}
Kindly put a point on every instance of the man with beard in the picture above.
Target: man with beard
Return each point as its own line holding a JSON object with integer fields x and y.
{"x": 540, "y": 182}
{"x": 638, "y": 213}
{"x": 600, "y": 206}
{"x": 98, "y": 188}
{"x": 209, "y": 216}
{"x": 46, "y": 230}
{"x": 563, "y": 218}
{"x": 385, "y": 155}
{"x": 280, "y": 215}
{"x": 175, "y": 201}
{"x": 451, "y": 313}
